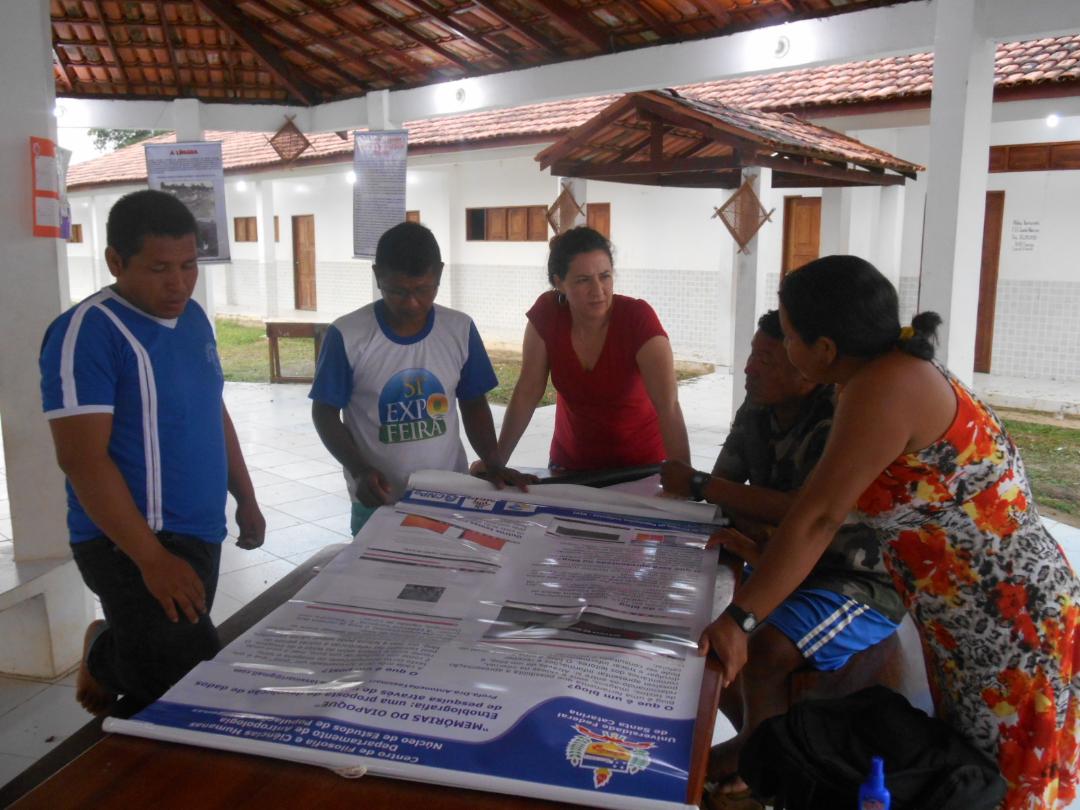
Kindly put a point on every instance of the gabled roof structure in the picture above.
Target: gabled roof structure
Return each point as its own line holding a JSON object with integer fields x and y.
{"x": 314, "y": 51}
{"x": 661, "y": 138}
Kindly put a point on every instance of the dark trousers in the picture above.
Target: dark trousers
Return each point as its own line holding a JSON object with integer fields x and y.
{"x": 140, "y": 654}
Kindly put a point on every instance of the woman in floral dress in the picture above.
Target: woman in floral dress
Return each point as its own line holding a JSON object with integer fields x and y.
{"x": 932, "y": 468}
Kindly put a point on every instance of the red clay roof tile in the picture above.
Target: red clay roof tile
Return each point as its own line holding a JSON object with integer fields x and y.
{"x": 871, "y": 81}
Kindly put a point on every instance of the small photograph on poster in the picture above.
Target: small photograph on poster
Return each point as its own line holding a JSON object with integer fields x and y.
{"x": 198, "y": 196}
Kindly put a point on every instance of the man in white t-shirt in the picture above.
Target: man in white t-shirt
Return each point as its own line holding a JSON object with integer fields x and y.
{"x": 393, "y": 376}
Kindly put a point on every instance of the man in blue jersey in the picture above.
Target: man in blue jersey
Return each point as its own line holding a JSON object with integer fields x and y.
{"x": 132, "y": 387}
{"x": 393, "y": 376}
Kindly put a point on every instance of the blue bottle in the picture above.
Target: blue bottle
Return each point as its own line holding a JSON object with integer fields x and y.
{"x": 872, "y": 793}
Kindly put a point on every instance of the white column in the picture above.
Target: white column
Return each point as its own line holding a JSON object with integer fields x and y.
{"x": 187, "y": 121}
{"x": 580, "y": 189}
{"x": 835, "y": 218}
{"x": 955, "y": 197}
{"x": 862, "y": 221}
{"x": 890, "y": 230}
{"x": 744, "y": 279}
{"x": 268, "y": 274}
{"x": 99, "y": 271}
{"x": 41, "y": 636}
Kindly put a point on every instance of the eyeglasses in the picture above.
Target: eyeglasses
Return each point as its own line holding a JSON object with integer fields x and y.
{"x": 425, "y": 292}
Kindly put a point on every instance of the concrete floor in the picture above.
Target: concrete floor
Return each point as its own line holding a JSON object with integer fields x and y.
{"x": 302, "y": 494}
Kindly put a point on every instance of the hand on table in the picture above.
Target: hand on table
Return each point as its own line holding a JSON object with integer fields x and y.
{"x": 737, "y": 543}
{"x": 675, "y": 478}
{"x": 502, "y": 476}
{"x": 372, "y": 488}
{"x": 728, "y": 643}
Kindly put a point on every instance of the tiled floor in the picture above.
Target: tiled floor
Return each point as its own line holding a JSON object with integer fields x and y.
{"x": 303, "y": 497}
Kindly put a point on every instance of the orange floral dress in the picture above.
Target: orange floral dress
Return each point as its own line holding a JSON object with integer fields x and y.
{"x": 994, "y": 597}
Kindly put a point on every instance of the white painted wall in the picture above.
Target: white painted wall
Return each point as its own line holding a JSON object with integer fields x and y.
{"x": 668, "y": 249}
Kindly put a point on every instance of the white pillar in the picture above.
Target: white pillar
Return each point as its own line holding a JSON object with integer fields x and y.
{"x": 579, "y": 187}
{"x": 835, "y": 219}
{"x": 268, "y": 275}
{"x": 187, "y": 121}
{"x": 744, "y": 279}
{"x": 956, "y": 189}
{"x": 99, "y": 271}
{"x": 41, "y": 625}
{"x": 890, "y": 230}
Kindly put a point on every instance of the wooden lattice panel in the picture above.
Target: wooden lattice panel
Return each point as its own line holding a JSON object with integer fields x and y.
{"x": 564, "y": 209}
{"x": 289, "y": 142}
{"x": 743, "y": 215}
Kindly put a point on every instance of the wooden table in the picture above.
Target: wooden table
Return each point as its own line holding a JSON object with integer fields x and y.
{"x": 291, "y": 329}
{"x": 92, "y": 769}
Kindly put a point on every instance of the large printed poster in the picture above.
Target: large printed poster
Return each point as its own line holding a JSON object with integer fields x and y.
{"x": 539, "y": 644}
{"x": 193, "y": 173}
{"x": 379, "y": 190}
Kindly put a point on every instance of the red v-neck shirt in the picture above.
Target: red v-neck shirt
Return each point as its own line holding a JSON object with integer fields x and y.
{"x": 603, "y": 417}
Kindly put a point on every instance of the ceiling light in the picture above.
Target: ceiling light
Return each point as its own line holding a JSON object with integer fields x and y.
{"x": 1052, "y": 120}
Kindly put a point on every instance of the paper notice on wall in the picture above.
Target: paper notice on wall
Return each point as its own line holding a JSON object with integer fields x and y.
{"x": 1025, "y": 235}
{"x": 533, "y": 645}
{"x": 45, "y": 188}
{"x": 193, "y": 173}
{"x": 379, "y": 191}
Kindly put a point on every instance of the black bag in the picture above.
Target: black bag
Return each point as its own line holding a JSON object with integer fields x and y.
{"x": 816, "y": 756}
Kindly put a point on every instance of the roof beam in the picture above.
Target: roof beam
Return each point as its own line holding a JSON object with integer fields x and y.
{"x": 570, "y": 168}
{"x": 166, "y": 34}
{"x": 273, "y": 61}
{"x": 655, "y": 21}
{"x": 578, "y": 22}
{"x": 521, "y": 30}
{"x": 321, "y": 39}
{"x": 473, "y": 38}
{"x": 402, "y": 59}
{"x": 65, "y": 69}
{"x": 402, "y": 28}
{"x": 854, "y": 176}
{"x": 112, "y": 45}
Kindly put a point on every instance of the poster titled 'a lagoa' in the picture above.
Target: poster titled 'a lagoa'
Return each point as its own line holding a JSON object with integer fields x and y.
{"x": 540, "y": 644}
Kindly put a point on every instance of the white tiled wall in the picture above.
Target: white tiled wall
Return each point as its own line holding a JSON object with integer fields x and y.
{"x": 498, "y": 297}
{"x": 1036, "y": 332}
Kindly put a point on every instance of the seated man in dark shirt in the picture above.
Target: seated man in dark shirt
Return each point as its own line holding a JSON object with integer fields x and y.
{"x": 848, "y": 602}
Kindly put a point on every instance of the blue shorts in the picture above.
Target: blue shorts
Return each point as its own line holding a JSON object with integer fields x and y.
{"x": 828, "y": 627}
{"x": 360, "y": 515}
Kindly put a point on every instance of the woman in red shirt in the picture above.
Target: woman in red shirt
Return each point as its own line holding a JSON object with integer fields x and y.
{"x": 609, "y": 360}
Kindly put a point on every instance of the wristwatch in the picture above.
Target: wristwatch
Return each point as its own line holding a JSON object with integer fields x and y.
{"x": 745, "y": 619}
{"x": 697, "y": 485}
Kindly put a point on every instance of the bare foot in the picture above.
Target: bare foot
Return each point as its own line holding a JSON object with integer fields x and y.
{"x": 91, "y": 695}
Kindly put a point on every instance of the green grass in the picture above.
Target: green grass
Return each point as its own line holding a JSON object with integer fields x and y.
{"x": 245, "y": 353}
{"x": 245, "y": 357}
{"x": 1052, "y": 457}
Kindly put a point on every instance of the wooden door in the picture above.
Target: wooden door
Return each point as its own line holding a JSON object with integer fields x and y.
{"x": 303, "y": 236}
{"x": 598, "y": 217}
{"x": 802, "y": 231}
{"x": 988, "y": 278}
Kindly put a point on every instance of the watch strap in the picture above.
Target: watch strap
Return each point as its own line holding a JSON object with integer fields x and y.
{"x": 746, "y": 620}
{"x": 697, "y": 485}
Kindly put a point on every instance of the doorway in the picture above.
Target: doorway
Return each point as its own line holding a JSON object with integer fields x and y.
{"x": 802, "y": 232}
{"x": 988, "y": 279}
{"x": 303, "y": 234}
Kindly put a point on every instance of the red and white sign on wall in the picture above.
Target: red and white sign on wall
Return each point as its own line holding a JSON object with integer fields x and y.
{"x": 46, "y": 188}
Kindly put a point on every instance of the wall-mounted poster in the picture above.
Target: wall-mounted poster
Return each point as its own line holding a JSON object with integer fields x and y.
{"x": 45, "y": 193}
{"x": 192, "y": 172}
{"x": 379, "y": 191}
